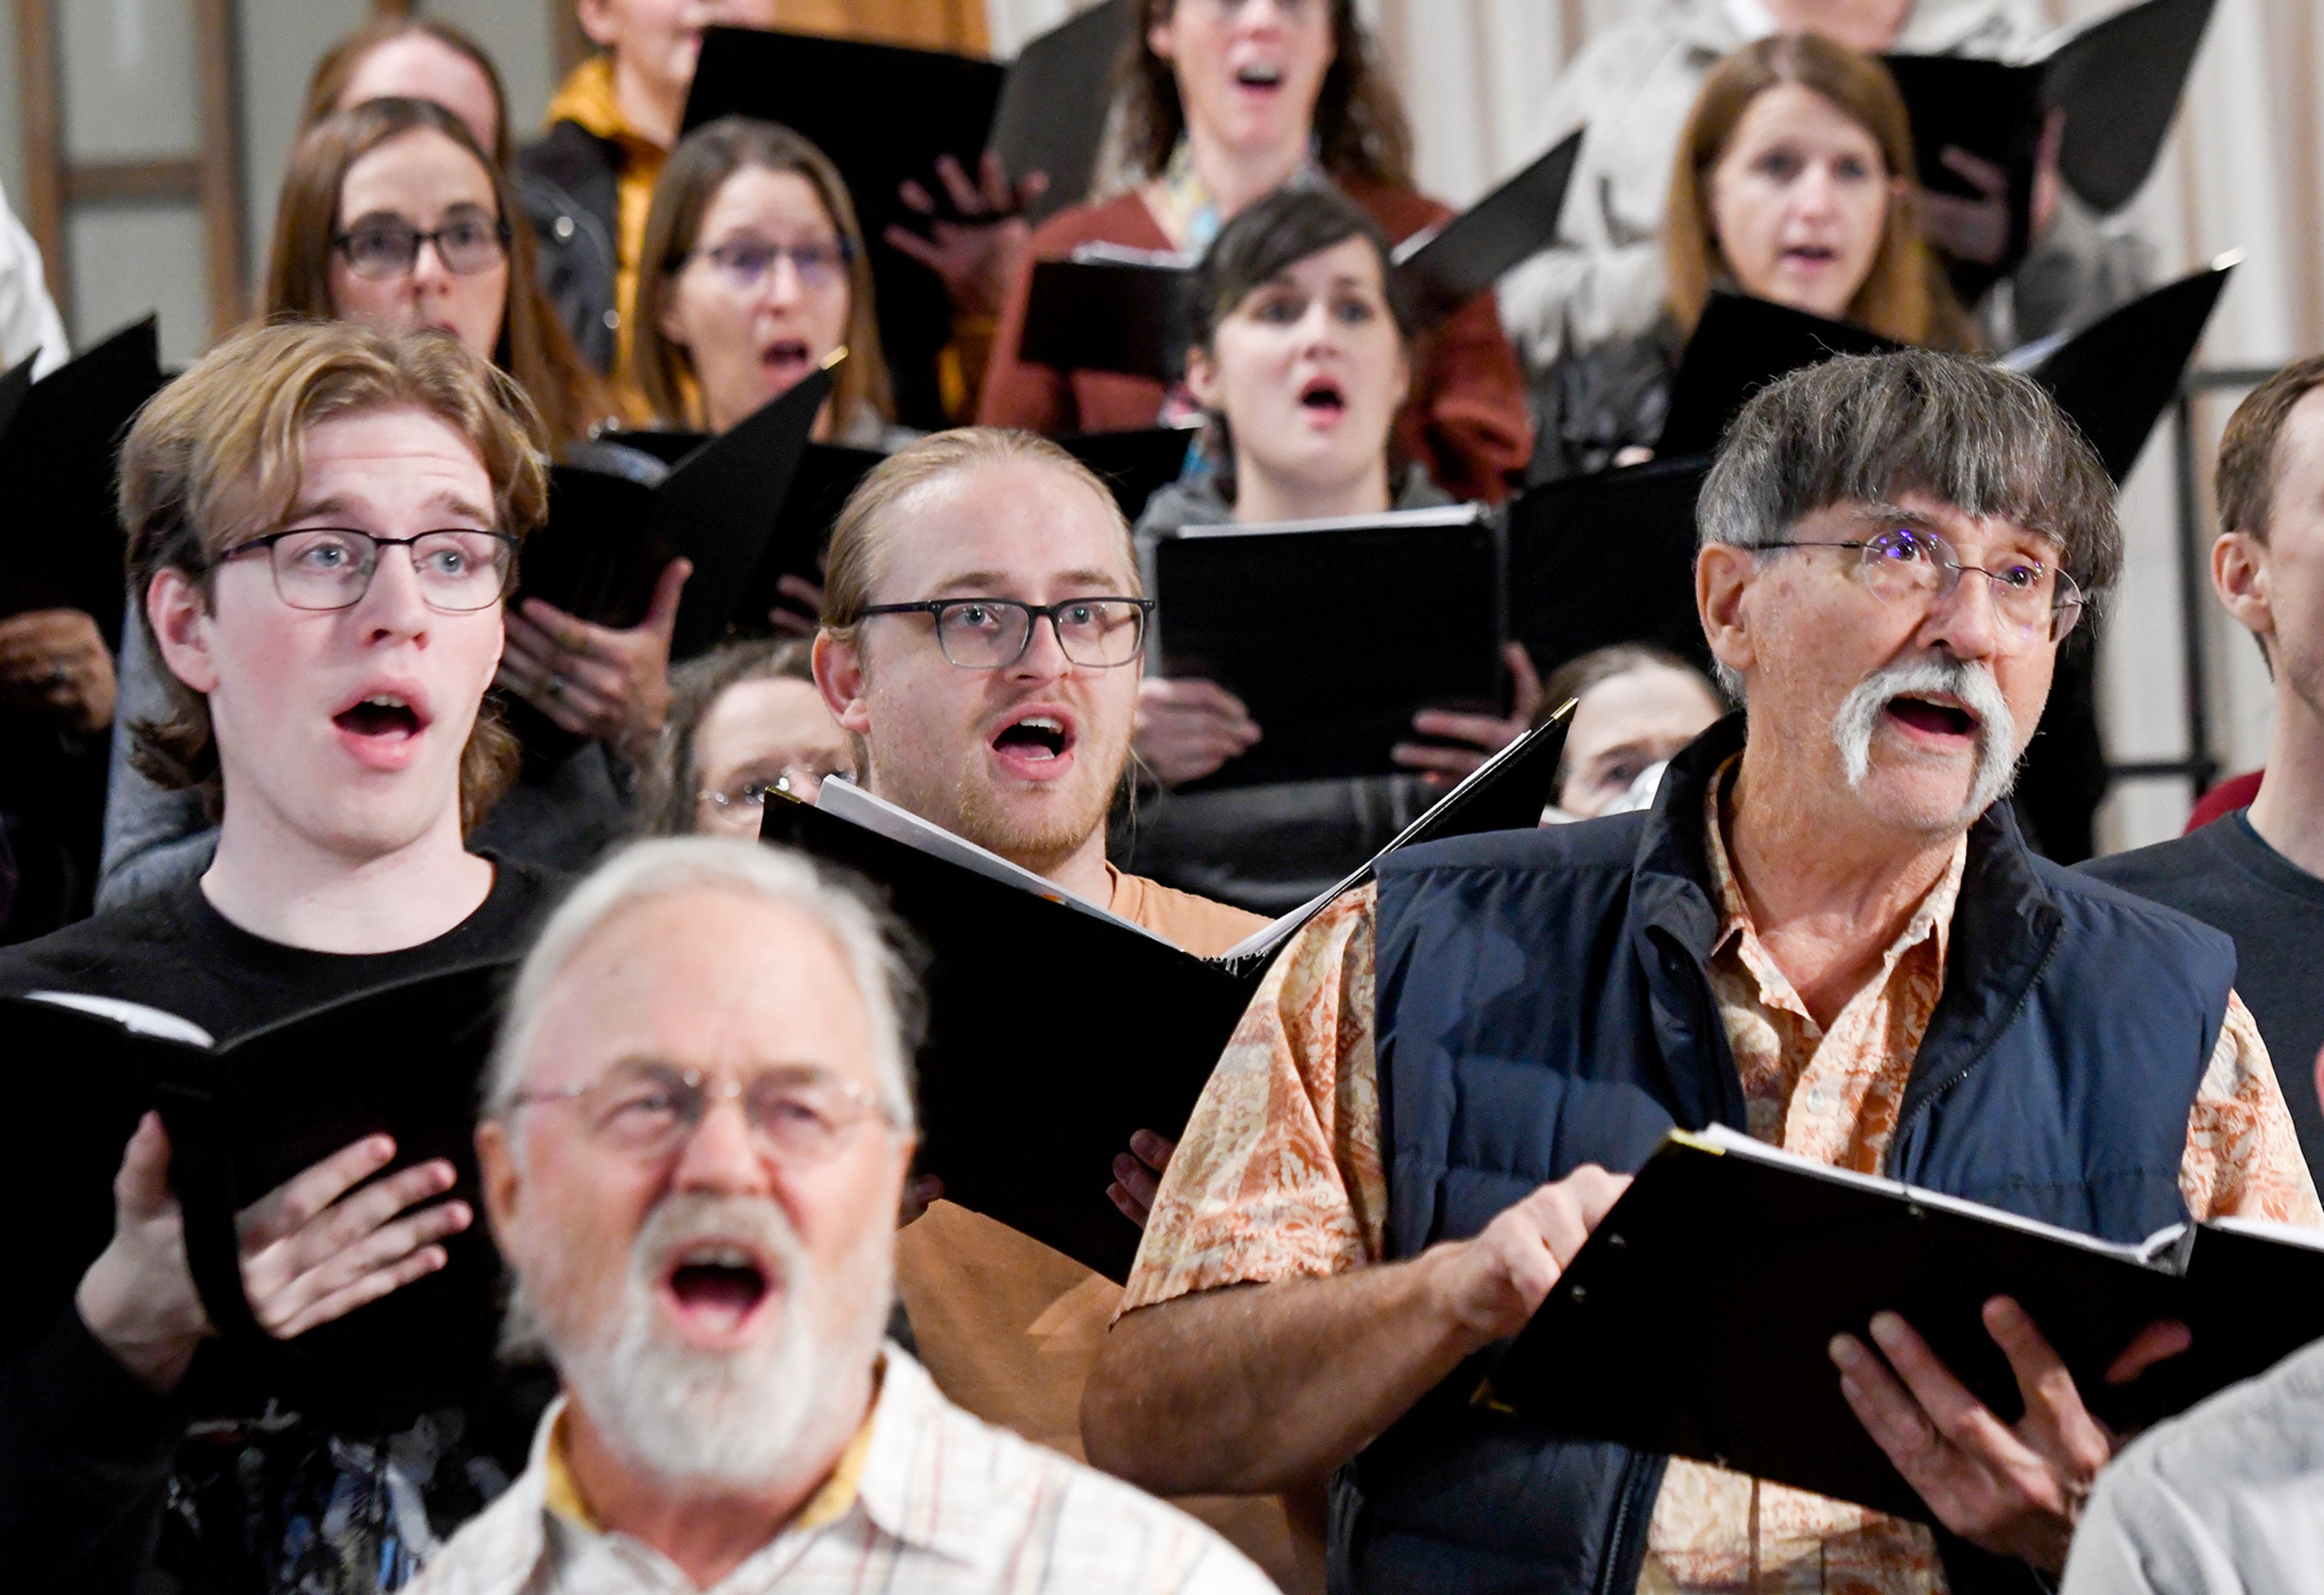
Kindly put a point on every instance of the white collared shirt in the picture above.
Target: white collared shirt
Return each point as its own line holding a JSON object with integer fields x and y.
{"x": 929, "y": 1501}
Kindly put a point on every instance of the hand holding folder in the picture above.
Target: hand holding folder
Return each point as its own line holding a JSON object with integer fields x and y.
{"x": 1718, "y": 1229}
{"x": 1058, "y": 1031}
{"x": 243, "y": 1120}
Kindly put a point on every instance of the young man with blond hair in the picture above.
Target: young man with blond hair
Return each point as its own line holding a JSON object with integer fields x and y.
{"x": 322, "y": 523}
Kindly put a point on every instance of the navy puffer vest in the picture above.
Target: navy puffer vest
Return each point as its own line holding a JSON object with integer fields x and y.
{"x": 1542, "y": 1003}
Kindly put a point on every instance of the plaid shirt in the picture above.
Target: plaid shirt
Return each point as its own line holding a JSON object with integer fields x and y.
{"x": 925, "y": 1502}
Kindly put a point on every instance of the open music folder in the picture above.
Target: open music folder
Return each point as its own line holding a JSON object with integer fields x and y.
{"x": 1056, "y": 1030}
{"x": 405, "y": 1058}
{"x": 621, "y": 513}
{"x": 1720, "y": 1230}
{"x": 1124, "y": 311}
{"x": 2115, "y": 82}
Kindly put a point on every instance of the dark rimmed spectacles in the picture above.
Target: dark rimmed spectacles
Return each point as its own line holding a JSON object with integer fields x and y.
{"x": 459, "y": 570}
{"x": 993, "y": 633}
{"x": 746, "y": 262}
{"x": 389, "y": 248}
{"x": 646, "y": 1110}
{"x": 1912, "y": 564}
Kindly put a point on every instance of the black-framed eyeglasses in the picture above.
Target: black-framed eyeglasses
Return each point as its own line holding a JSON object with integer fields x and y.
{"x": 1910, "y": 564}
{"x": 993, "y": 633}
{"x": 644, "y": 1109}
{"x": 746, "y": 262}
{"x": 388, "y": 247}
{"x": 460, "y": 570}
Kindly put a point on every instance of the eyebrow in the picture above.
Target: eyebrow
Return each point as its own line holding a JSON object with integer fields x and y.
{"x": 447, "y": 503}
{"x": 993, "y": 580}
{"x": 1888, "y": 514}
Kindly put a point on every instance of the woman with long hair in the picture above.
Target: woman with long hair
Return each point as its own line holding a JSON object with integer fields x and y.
{"x": 1224, "y": 102}
{"x": 754, "y": 275}
{"x": 1794, "y": 184}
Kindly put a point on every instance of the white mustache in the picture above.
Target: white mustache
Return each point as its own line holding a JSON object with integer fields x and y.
{"x": 685, "y": 1217}
{"x": 1998, "y": 742}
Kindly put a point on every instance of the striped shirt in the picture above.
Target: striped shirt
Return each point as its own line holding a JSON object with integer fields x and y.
{"x": 928, "y": 1500}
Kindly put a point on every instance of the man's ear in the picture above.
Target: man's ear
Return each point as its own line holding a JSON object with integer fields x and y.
{"x": 2240, "y": 571}
{"x": 180, "y": 615}
{"x": 1201, "y": 377}
{"x": 496, "y": 1165}
{"x": 839, "y": 676}
{"x": 1724, "y": 576}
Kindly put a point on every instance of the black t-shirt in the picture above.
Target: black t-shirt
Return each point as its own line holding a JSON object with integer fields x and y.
{"x": 97, "y": 1490}
{"x": 175, "y": 952}
{"x": 2227, "y": 877}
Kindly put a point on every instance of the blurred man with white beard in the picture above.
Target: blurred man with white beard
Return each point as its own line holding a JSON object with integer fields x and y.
{"x": 697, "y": 1129}
{"x": 1827, "y": 934}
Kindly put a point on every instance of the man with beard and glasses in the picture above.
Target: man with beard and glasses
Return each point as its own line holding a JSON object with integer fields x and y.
{"x": 983, "y": 631}
{"x": 1826, "y": 933}
{"x": 697, "y": 1122}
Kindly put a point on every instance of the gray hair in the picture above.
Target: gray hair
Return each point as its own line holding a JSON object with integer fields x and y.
{"x": 1868, "y": 428}
{"x": 872, "y": 943}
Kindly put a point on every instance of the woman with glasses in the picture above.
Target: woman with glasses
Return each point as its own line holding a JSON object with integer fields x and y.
{"x": 1224, "y": 102}
{"x": 755, "y": 276}
{"x": 1302, "y": 354}
{"x": 742, "y": 718}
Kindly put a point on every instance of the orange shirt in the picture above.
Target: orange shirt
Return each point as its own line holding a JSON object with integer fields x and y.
{"x": 1279, "y": 1175}
{"x": 1010, "y": 1328}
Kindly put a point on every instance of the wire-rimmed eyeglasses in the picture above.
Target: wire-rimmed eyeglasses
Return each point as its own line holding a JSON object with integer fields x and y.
{"x": 459, "y": 569}
{"x": 1911, "y": 563}
{"x": 797, "y": 1115}
{"x": 993, "y": 633}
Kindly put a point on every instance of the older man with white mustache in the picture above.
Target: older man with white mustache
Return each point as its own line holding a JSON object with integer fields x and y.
{"x": 697, "y": 1131}
{"x": 1826, "y": 933}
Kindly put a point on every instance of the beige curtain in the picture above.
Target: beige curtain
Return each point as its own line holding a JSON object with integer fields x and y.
{"x": 2243, "y": 168}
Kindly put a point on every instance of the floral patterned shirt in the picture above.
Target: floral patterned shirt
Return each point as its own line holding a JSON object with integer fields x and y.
{"x": 1279, "y": 1175}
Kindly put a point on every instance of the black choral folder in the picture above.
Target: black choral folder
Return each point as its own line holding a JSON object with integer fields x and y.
{"x": 2115, "y": 376}
{"x": 1056, "y": 1030}
{"x": 616, "y": 521}
{"x": 1604, "y": 559}
{"x": 1055, "y": 103}
{"x": 244, "y": 1117}
{"x": 1739, "y": 346}
{"x": 1445, "y": 266}
{"x": 57, "y": 439}
{"x": 2117, "y": 81}
{"x": 884, "y": 114}
{"x": 1125, "y": 310}
{"x": 1334, "y": 634}
{"x": 1719, "y": 1229}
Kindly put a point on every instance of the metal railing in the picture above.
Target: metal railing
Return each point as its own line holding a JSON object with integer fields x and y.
{"x": 2201, "y": 763}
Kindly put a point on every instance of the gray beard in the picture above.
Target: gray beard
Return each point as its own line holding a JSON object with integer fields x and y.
{"x": 730, "y": 1421}
{"x": 1998, "y": 741}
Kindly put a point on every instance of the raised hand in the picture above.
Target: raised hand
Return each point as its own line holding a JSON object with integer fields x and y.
{"x": 2015, "y": 1489}
{"x": 594, "y": 680}
{"x": 977, "y": 257}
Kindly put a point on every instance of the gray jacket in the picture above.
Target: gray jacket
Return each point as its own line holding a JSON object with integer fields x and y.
{"x": 2226, "y": 1500}
{"x": 1632, "y": 87}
